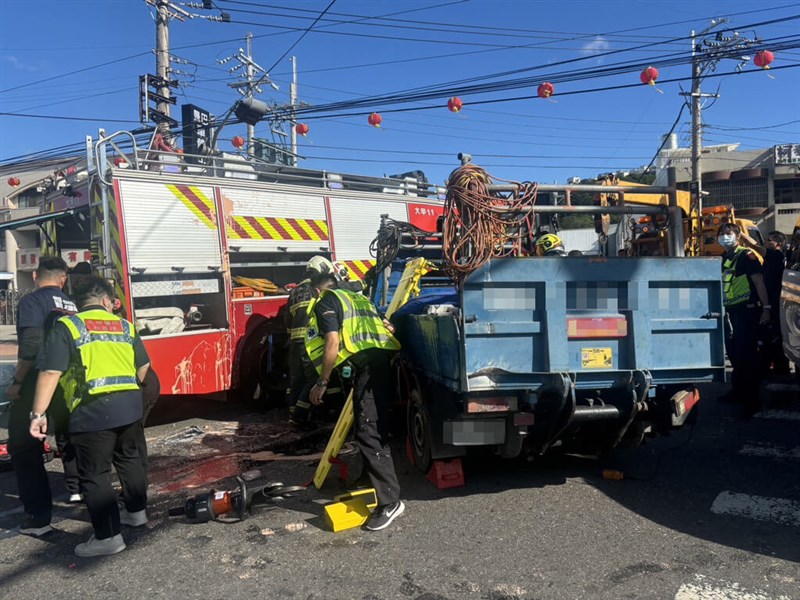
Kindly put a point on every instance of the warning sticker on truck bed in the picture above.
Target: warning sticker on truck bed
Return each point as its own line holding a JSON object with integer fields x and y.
{"x": 597, "y": 358}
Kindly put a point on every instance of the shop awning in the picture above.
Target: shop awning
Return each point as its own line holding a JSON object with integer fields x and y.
{"x": 40, "y": 218}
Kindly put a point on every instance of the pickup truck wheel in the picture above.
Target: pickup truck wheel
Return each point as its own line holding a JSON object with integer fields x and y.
{"x": 419, "y": 431}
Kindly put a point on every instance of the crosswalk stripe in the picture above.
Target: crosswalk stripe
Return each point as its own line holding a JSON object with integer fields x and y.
{"x": 708, "y": 588}
{"x": 760, "y": 508}
{"x": 767, "y": 450}
{"x": 784, "y": 415}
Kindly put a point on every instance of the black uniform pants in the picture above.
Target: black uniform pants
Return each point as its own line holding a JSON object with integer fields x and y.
{"x": 96, "y": 451}
{"x": 742, "y": 348}
{"x": 301, "y": 379}
{"x": 371, "y": 402}
{"x": 26, "y": 453}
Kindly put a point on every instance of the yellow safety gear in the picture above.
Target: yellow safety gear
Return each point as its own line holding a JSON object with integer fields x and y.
{"x": 548, "y": 242}
{"x": 361, "y": 329}
{"x": 104, "y": 361}
{"x": 735, "y": 288}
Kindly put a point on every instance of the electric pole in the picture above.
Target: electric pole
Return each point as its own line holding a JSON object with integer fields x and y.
{"x": 251, "y": 129}
{"x": 165, "y": 10}
{"x": 706, "y": 54}
{"x": 249, "y": 85}
{"x": 293, "y": 103}
{"x": 162, "y": 54}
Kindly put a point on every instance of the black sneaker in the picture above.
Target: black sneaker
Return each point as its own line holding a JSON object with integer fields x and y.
{"x": 383, "y": 516}
{"x": 35, "y": 527}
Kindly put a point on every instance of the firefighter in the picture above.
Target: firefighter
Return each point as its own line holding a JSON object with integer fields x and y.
{"x": 346, "y": 331}
{"x": 746, "y": 307}
{"x": 103, "y": 361}
{"x": 301, "y": 373}
{"x": 35, "y": 310}
{"x": 550, "y": 245}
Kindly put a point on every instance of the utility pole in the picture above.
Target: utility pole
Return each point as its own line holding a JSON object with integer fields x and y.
{"x": 707, "y": 52}
{"x": 697, "y": 123}
{"x": 293, "y": 103}
{"x": 162, "y": 53}
{"x": 251, "y": 129}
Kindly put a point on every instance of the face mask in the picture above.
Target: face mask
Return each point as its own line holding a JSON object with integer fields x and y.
{"x": 727, "y": 240}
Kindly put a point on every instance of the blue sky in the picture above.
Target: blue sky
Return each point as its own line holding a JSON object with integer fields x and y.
{"x": 538, "y": 140}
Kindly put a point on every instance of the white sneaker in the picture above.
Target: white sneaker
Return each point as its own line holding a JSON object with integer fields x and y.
{"x": 133, "y": 519}
{"x": 75, "y": 498}
{"x": 95, "y": 547}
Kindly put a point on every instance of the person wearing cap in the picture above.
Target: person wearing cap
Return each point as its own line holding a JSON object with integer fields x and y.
{"x": 550, "y": 245}
{"x": 301, "y": 374}
{"x": 346, "y": 333}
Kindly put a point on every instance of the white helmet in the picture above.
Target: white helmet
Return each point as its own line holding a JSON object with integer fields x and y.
{"x": 321, "y": 265}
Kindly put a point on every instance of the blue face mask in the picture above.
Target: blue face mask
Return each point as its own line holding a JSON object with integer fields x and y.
{"x": 727, "y": 240}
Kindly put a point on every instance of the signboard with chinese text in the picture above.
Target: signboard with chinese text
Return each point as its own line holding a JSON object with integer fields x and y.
{"x": 424, "y": 216}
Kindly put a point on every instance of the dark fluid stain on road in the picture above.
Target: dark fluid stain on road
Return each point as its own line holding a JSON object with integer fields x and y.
{"x": 643, "y": 568}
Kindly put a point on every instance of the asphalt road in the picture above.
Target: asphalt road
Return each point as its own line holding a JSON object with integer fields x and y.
{"x": 710, "y": 513}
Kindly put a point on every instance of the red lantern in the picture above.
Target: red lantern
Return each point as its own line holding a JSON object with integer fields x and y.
{"x": 545, "y": 90}
{"x": 649, "y": 76}
{"x": 301, "y": 128}
{"x": 764, "y": 59}
{"x": 119, "y": 161}
{"x": 237, "y": 141}
{"x": 14, "y": 181}
{"x": 375, "y": 120}
{"x": 454, "y": 104}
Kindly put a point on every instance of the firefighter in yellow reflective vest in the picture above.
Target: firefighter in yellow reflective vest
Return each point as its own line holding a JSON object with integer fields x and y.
{"x": 103, "y": 360}
{"x": 346, "y": 332}
{"x": 746, "y": 308}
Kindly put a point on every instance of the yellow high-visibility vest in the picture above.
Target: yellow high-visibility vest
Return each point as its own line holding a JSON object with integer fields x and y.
{"x": 362, "y": 329}
{"x": 735, "y": 288}
{"x": 104, "y": 361}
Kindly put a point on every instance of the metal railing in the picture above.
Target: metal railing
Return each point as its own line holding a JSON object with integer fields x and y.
{"x": 9, "y": 301}
{"x": 130, "y": 156}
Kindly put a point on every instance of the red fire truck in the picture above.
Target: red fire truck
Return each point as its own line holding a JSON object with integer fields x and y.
{"x": 174, "y": 231}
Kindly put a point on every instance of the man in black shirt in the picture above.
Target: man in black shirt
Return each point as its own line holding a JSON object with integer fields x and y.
{"x": 774, "y": 265}
{"x": 346, "y": 331}
{"x": 34, "y": 312}
{"x": 103, "y": 361}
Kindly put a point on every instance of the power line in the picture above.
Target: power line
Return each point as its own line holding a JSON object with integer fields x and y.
{"x": 305, "y": 32}
{"x": 66, "y": 118}
{"x": 52, "y": 77}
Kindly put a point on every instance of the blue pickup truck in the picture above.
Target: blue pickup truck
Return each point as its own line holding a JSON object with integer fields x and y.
{"x": 587, "y": 353}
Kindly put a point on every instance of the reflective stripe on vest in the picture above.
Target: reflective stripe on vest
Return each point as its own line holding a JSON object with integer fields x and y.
{"x": 735, "y": 288}
{"x": 104, "y": 361}
{"x": 362, "y": 328}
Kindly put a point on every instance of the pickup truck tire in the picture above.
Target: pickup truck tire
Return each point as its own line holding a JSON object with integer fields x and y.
{"x": 419, "y": 431}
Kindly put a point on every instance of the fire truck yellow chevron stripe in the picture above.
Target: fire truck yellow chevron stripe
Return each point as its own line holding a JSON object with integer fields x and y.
{"x": 358, "y": 268}
{"x": 272, "y": 228}
{"x": 287, "y": 226}
{"x": 196, "y": 201}
{"x": 249, "y": 231}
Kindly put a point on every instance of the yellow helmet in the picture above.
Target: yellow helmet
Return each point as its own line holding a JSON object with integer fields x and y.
{"x": 547, "y": 243}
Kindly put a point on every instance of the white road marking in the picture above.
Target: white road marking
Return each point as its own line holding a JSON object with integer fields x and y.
{"x": 783, "y": 415}
{"x": 760, "y": 508}
{"x": 707, "y": 588}
{"x": 767, "y": 450}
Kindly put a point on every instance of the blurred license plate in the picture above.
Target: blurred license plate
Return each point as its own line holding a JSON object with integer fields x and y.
{"x": 597, "y": 358}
